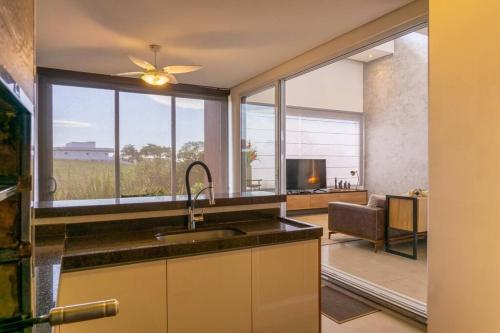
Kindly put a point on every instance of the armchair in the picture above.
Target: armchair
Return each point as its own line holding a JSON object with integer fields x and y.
{"x": 362, "y": 221}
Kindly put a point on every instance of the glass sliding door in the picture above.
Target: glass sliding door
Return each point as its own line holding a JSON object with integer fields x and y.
{"x": 258, "y": 141}
{"x": 145, "y": 144}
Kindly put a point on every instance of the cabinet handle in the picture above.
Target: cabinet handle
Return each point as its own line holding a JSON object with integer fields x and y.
{"x": 80, "y": 312}
{"x": 66, "y": 314}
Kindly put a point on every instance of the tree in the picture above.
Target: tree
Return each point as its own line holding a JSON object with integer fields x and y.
{"x": 190, "y": 151}
{"x": 129, "y": 153}
{"x": 152, "y": 150}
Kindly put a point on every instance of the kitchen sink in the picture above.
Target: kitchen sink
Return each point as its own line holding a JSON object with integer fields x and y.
{"x": 198, "y": 236}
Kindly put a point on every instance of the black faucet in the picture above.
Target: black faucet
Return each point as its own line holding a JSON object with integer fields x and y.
{"x": 192, "y": 217}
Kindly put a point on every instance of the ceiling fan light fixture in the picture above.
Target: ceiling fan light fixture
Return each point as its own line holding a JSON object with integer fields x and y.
{"x": 155, "y": 79}
{"x": 152, "y": 76}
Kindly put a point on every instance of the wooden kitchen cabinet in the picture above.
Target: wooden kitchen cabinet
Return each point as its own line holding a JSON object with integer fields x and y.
{"x": 285, "y": 288}
{"x": 268, "y": 289}
{"x": 210, "y": 293}
{"x": 139, "y": 288}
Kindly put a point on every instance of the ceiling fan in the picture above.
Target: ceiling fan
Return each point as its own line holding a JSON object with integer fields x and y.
{"x": 157, "y": 77}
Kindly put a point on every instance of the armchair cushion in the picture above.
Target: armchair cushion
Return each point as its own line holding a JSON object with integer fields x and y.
{"x": 377, "y": 200}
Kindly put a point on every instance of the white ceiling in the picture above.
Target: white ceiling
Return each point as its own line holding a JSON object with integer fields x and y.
{"x": 234, "y": 40}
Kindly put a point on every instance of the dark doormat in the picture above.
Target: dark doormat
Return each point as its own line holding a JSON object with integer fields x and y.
{"x": 341, "y": 308}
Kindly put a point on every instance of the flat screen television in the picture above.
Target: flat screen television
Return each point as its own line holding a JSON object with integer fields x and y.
{"x": 305, "y": 174}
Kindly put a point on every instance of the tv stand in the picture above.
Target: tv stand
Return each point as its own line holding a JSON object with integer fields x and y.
{"x": 316, "y": 200}
{"x": 298, "y": 192}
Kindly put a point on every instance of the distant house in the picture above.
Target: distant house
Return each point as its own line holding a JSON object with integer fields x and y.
{"x": 83, "y": 151}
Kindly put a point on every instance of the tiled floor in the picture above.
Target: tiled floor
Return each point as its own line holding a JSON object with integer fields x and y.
{"x": 405, "y": 276}
{"x": 378, "y": 322}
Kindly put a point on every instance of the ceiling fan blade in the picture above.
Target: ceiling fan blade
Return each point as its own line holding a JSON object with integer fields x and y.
{"x": 133, "y": 74}
{"x": 179, "y": 69}
{"x": 142, "y": 63}
{"x": 171, "y": 79}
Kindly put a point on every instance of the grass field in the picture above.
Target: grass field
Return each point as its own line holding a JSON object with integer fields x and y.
{"x": 96, "y": 179}
{"x": 84, "y": 179}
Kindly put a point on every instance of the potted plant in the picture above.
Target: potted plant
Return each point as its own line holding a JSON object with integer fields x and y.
{"x": 249, "y": 156}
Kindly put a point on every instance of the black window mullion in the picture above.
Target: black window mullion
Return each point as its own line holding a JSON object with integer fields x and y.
{"x": 117, "y": 144}
{"x": 173, "y": 171}
{"x": 45, "y": 142}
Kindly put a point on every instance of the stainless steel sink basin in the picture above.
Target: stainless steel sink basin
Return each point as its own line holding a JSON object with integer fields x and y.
{"x": 198, "y": 236}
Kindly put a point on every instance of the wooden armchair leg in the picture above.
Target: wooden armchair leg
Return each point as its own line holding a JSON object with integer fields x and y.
{"x": 330, "y": 233}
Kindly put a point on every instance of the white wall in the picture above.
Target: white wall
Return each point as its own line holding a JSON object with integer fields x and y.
{"x": 338, "y": 86}
{"x": 464, "y": 160}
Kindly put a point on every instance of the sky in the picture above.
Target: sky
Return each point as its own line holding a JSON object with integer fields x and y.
{"x": 87, "y": 114}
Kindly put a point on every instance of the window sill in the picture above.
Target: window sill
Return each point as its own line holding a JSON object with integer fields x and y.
{"x": 66, "y": 208}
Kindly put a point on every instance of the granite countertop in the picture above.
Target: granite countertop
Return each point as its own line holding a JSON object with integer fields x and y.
{"x": 47, "y": 263}
{"x": 63, "y": 252}
{"x": 44, "y": 209}
{"x": 85, "y": 252}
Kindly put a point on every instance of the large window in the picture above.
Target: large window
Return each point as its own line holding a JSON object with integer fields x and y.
{"x": 105, "y": 143}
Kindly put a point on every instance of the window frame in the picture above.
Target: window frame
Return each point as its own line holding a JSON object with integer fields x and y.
{"x": 47, "y": 77}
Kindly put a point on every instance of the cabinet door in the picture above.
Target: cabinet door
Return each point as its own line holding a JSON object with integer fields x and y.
{"x": 297, "y": 202}
{"x": 139, "y": 288}
{"x": 285, "y": 288}
{"x": 322, "y": 200}
{"x": 210, "y": 293}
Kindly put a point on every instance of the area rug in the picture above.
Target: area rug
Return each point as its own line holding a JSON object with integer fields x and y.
{"x": 342, "y": 308}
